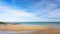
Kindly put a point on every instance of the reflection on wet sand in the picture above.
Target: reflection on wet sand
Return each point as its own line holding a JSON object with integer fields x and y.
{"x": 32, "y": 32}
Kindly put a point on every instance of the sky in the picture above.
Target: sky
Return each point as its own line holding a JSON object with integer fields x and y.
{"x": 30, "y": 10}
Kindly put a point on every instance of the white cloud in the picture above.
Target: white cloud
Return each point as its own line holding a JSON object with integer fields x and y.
{"x": 18, "y": 15}
{"x": 11, "y": 14}
{"x": 15, "y": 11}
{"x": 53, "y": 14}
{"x": 46, "y": 9}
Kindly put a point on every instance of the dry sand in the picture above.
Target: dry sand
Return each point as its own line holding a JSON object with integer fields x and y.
{"x": 21, "y": 27}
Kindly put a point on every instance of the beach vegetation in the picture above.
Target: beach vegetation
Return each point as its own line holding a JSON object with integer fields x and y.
{"x": 3, "y": 23}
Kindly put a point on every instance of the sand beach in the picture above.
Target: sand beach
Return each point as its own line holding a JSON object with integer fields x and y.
{"x": 21, "y": 29}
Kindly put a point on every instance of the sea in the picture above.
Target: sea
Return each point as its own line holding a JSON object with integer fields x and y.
{"x": 39, "y": 23}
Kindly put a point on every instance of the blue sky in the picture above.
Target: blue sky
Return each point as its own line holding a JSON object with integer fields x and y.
{"x": 30, "y": 10}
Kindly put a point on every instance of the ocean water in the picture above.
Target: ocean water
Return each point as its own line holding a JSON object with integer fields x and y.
{"x": 39, "y": 23}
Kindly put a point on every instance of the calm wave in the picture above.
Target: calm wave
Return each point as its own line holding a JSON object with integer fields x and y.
{"x": 36, "y": 23}
{"x": 39, "y": 23}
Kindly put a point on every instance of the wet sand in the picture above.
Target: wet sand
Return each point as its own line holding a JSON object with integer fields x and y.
{"x": 31, "y": 32}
